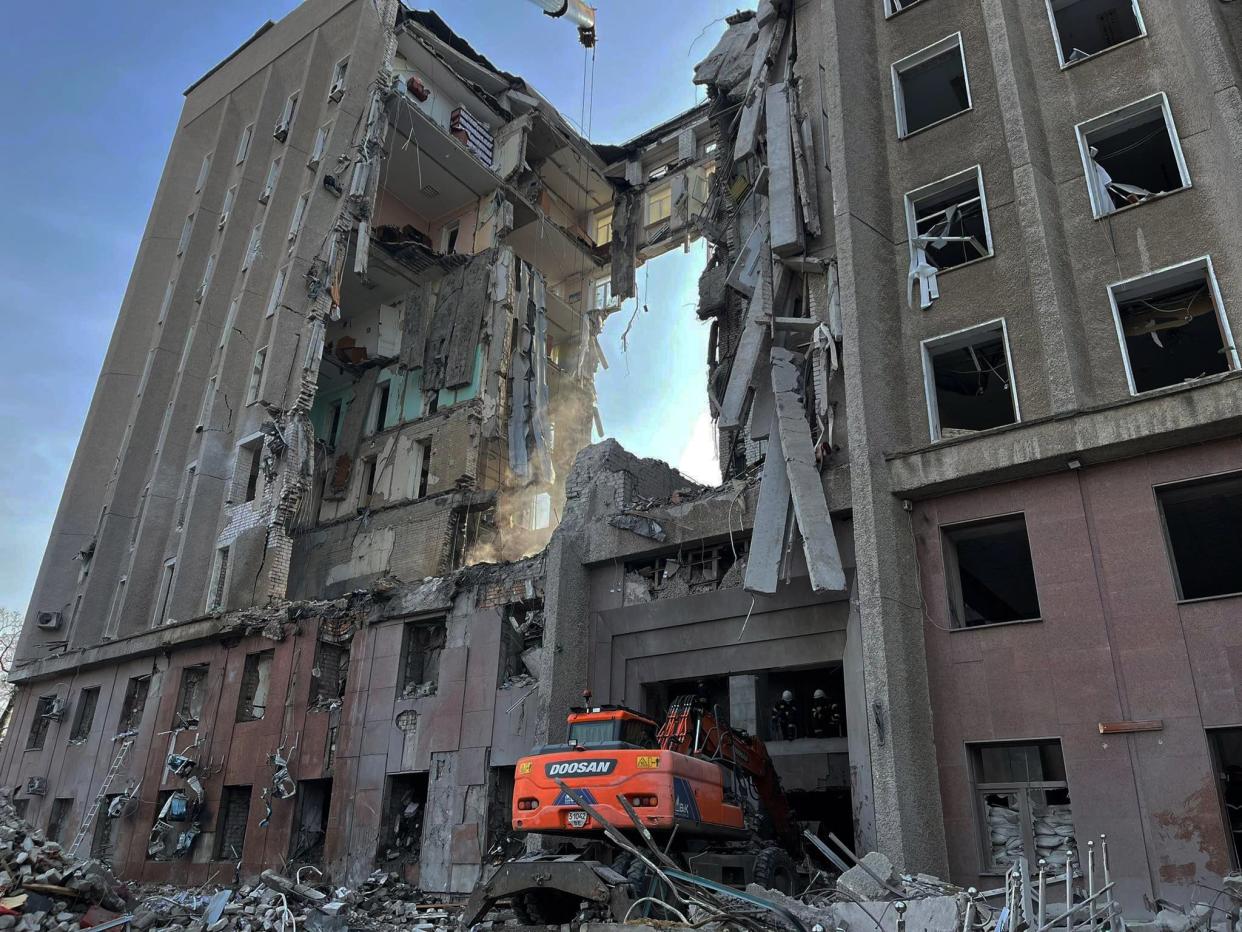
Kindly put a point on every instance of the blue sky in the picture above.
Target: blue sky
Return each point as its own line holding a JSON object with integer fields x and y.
{"x": 93, "y": 92}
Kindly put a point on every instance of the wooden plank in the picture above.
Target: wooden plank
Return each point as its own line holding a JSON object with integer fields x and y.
{"x": 1125, "y": 728}
{"x": 819, "y": 543}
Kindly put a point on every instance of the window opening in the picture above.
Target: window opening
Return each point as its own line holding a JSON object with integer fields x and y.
{"x": 84, "y": 714}
{"x": 893, "y": 7}
{"x": 989, "y": 572}
{"x": 227, "y": 207}
{"x": 310, "y": 822}
{"x": 190, "y": 696}
{"x": 968, "y": 382}
{"x": 328, "y": 677}
{"x": 1023, "y": 800}
{"x": 1226, "y": 746}
{"x": 165, "y": 591}
{"x": 118, "y": 602}
{"x": 337, "y": 90}
{"x": 278, "y": 291}
{"x": 252, "y": 247}
{"x": 250, "y": 456}
{"x": 404, "y": 808}
{"x": 1172, "y": 327}
{"x": 448, "y": 237}
{"x": 186, "y": 229}
{"x": 61, "y": 807}
{"x": 383, "y": 395}
{"x": 219, "y": 577}
{"x": 1083, "y": 28}
{"x": 1201, "y": 521}
{"x": 44, "y": 711}
{"x": 299, "y": 215}
{"x": 187, "y": 490}
{"x": 134, "y": 704}
{"x": 231, "y": 829}
{"x": 603, "y": 228}
{"x": 203, "y": 171}
{"x": 421, "y": 644}
{"x": 367, "y": 487}
{"x": 243, "y": 143}
{"x": 1132, "y": 155}
{"x": 660, "y": 204}
{"x": 256, "y": 375}
{"x": 931, "y": 85}
{"x": 320, "y": 146}
{"x": 269, "y": 183}
{"x": 947, "y": 223}
{"x": 283, "y": 125}
{"x": 422, "y": 468}
{"x": 255, "y": 685}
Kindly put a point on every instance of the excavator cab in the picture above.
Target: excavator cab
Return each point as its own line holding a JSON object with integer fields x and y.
{"x": 609, "y": 727}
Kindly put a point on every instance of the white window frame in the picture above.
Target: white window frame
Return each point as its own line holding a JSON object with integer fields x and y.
{"x": 446, "y": 231}
{"x": 891, "y": 9}
{"x": 208, "y": 271}
{"x": 1118, "y": 115}
{"x": 203, "y": 170}
{"x": 278, "y": 291}
{"x": 1166, "y": 274}
{"x": 243, "y": 143}
{"x": 229, "y": 320}
{"x": 1056, "y": 35}
{"x": 285, "y": 124}
{"x": 270, "y": 182}
{"x": 204, "y": 411}
{"x": 299, "y": 218}
{"x": 226, "y": 208}
{"x": 252, "y": 246}
{"x": 658, "y": 196}
{"x": 187, "y": 229}
{"x": 187, "y": 489}
{"x": 167, "y": 302}
{"x": 118, "y": 606}
{"x": 953, "y": 40}
{"x": 163, "y": 594}
{"x": 340, "y": 72}
{"x": 319, "y": 147}
{"x": 961, "y": 338}
{"x": 943, "y": 184}
{"x": 257, "y": 368}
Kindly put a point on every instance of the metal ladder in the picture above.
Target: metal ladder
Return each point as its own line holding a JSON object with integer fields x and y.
{"x": 89, "y": 818}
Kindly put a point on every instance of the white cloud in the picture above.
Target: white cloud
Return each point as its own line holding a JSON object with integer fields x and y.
{"x": 698, "y": 458}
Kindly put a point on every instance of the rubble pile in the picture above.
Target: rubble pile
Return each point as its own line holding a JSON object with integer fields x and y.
{"x": 382, "y": 903}
{"x": 42, "y": 887}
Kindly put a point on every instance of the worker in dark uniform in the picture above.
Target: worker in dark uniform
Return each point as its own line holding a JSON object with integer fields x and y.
{"x": 821, "y": 714}
{"x": 785, "y": 717}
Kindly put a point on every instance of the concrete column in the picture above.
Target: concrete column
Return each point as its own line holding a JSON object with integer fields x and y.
{"x": 743, "y": 703}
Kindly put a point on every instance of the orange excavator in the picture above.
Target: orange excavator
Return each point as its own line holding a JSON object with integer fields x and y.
{"x": 707, "y": 793}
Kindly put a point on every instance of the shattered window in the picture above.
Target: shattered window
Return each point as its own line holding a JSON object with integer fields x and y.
{"x": 931, "y": 85}
{"x": 255, "y": 686}
{"x": 948, "y": 221}
{"x": 231, "y": 828}
{"x": 688, "y": 572}
{"x": 190, "y": 697}
{"x": 1132, "y": 155}
{"x": 1083, "y": 28}
{"x": 1171, "y": 327}
{"x": 329, "y": 673}
{"x": 61, "y": 807}
{"x": 968, "y": 382}
{"x": 84, "y": 714}
{"x": 989, "y": 572}
{"x": 42, "y": 721}
{"x": 1022, "y": 798}
{"x": 1201, "y": 521}
{"x": 256, "y": 375}
{"x": 134, "y": 704}
{"x": 404, "y": 808}
{"x": 422, "y": 642}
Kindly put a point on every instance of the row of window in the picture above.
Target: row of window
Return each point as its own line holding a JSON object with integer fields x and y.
{"x": 991, "y": 577}
{"x": 1081, "y": 29}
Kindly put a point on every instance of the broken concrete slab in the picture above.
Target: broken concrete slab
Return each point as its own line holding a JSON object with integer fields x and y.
{"x": 749, "y": 350}
{"x": 819, "y": 542}
{"x": 784, "y": 209}
{"x": 767, "y": 540}
{"x": 626, "y": 208}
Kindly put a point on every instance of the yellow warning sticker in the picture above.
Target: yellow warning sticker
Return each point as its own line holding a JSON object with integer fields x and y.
{"x": 648, "y": 761}
{"x": 524, "y": 767}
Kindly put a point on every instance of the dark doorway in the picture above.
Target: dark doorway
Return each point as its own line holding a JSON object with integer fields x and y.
{"x": 310, "y": 822}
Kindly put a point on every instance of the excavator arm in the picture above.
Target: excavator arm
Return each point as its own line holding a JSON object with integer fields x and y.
{"x": 693, "y": 728}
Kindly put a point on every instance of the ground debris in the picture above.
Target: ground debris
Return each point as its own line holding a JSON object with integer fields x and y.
{"x": 382, "y": 903}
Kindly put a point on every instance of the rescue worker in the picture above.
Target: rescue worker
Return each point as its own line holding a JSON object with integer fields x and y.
{"x": 785, "y": 717}
{"x": 825, "y": 716}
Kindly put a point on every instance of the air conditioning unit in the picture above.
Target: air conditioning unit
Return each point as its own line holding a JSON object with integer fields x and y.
{"x": 49, "y": 621}
{"x": 36, "y": 786}
{"x": 56, "y": 711}
{"x": 281, "y": 132}
{"x": 337, "y": 91}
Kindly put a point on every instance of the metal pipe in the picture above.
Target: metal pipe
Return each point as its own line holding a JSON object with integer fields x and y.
{"x": 1091, "y": 874}
{"x": 1069, "y": 889}
{"x": 1074, "y": 908}
{"x": 1041, "y": 905}
{"x": 900, "y": 908}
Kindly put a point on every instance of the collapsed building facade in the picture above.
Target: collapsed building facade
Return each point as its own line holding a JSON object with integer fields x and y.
{"x": 972, "y": 368}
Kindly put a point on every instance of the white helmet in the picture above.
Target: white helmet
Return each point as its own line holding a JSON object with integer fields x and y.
{"x": 819, "y": 694}
{"x": 787, "y": 696}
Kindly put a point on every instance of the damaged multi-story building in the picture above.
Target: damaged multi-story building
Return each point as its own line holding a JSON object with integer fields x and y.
{"x": 335, "y": 550}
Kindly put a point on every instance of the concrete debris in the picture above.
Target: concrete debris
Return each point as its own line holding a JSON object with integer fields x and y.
{"x": 727, "y": 66}
{"x": 860, "y": 881}
{"x": 626, "y": 218}
{"x": 382, "y": 903}
{"x": 640, "y": 525}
